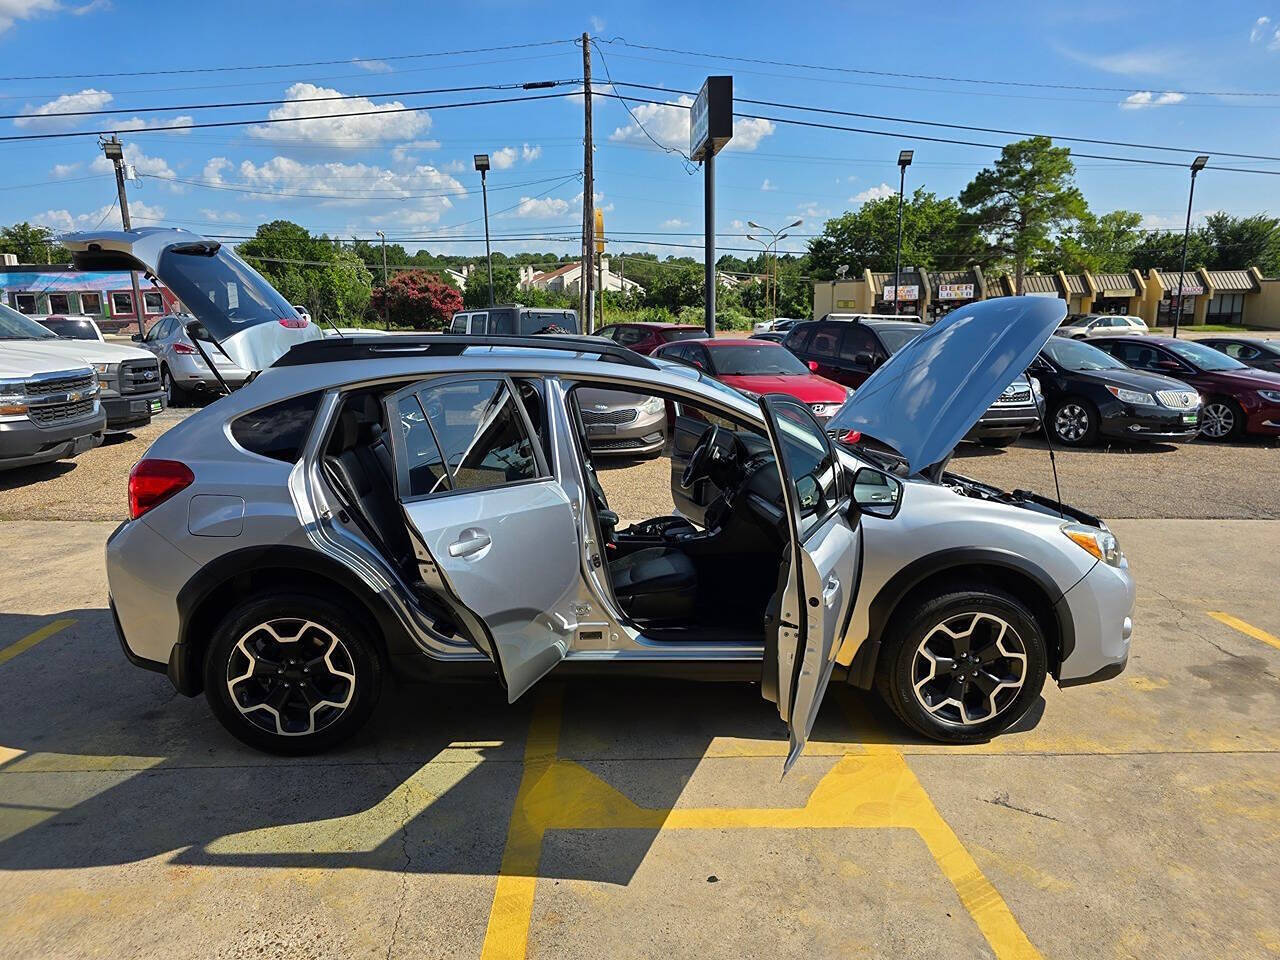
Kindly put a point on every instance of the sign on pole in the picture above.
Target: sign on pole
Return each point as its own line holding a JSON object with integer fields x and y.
{"x": 599, "y": 230}
{"x": 711, "y": 118}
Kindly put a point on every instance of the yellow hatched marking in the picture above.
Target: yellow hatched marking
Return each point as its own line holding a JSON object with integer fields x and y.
{"x": 31, "y": 639}
{"x": 1248, "y": 629}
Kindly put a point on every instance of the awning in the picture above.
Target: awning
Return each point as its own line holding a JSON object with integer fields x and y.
{"x": 1233, "y": 281}
{"x": 1115, "y": 285}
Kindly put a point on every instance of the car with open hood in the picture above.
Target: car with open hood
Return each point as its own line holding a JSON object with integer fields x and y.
{"x": 428, "y": 506}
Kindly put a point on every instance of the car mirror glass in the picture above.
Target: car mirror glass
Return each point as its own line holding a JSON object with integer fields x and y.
{"x": 876, "y": 493}
{"x": 864, "y": 360}
{"x": 136, "y": 338}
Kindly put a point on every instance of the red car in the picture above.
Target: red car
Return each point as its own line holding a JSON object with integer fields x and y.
{"x": 756, "y": 367}
{"x": 647, "y": 337}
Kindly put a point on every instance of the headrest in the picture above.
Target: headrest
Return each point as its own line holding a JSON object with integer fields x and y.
{"x": 345, "y": 433}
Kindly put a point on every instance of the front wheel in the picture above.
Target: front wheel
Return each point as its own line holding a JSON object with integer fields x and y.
{"x": 292, "y": 673}
{"x": 964, "y": 665}
{"x": 1074, "y": 423}
{"x": 1221, "y": 419}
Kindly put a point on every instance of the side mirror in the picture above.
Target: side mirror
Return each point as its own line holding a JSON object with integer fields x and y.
{"x": 876, "y": 493}
{"x": 864, "y": 360}
{"x": 813, "y": 366}
{"x": 696, "y": 363}
{"x": 1172, "y": 365}
{"x": 136, "y": 338}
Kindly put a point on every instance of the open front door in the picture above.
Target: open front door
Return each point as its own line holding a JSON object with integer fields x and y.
{"x": 493, "y": 528}
{"x": 819, "y": 582}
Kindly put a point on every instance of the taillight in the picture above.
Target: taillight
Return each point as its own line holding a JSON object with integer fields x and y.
{"x": 295, "y": 322}
{"x": 852, "y": 436}
{"x": 183, "y": 348}
{"x": 152, "y": 482}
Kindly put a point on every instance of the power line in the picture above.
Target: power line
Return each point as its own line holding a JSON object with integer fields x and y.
{"x": 266, "y": 191}
{"x": 935, "y": 77}
{"x": 284, "y": 66}
{"x": 267, "y": 122}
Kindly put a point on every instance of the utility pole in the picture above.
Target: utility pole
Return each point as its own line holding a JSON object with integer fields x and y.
{"x": 1196, "y": 166}
{"x": 113, "y": 149}
{"x": 585, "y": 298}
{"x": 386, "y": 300}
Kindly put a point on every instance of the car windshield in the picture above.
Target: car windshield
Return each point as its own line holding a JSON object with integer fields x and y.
{"x": 692, "y": 333}
{"x": 225, "y": 293}
{"x": 895, "y": 338}
{"x": 755, "y": 359}
{"x": 1206, "y": 358}
{"x": 71, "y": 329}
{"x": 14, "y": 326}
{"x": 1077, "y": 355}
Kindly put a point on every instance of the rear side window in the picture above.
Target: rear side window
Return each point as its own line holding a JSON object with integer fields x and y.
{"x": 459, "y": 324}
{"x": 480, "y": 433}
{"x": 629, "y": 335}
{"x": 426, "y": 469}
{"x": 798, "y": 338}
{"x": 279, "y": 431}
{"x": 669, "y": 335}
{"x": 826, "y": 341}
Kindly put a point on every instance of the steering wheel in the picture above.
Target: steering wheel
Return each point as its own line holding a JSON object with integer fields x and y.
{"x": 694, "y": 470}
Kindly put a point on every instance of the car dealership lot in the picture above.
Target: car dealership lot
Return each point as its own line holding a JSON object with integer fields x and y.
{"x": 1139, "y": 814}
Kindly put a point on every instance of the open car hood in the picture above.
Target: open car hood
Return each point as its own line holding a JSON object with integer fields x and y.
{"x": 246, "y": 316}
{"x": 928, "y": 394}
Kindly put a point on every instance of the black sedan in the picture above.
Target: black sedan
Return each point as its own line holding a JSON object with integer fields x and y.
{"x": 1088, "y": 393}
{"x": 1251, "y": 351}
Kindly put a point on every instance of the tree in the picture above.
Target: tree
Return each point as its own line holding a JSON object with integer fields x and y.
{"x": 1235, "y": 242}
{"x": 1163, "y": 251}
{"x": 32, "y": 244}
{"x": 1025, "y": 200}
{"x": 506, "y": 286}
{"x": 676, "y": 285}
{"x": 1102, "y": 244}
{"x": 416, "y": 299}
{"x": 314, "y": 271}
{"x": 935, "y": 236}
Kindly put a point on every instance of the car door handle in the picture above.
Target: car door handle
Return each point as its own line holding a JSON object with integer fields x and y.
{"x": 472, "y": 540}
{"x": 830, "y": 589}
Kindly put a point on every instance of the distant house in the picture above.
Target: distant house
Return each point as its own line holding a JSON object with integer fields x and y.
{"x": 40, "y": 290}
{"x": 567, "y": 278}
{"x": 456, "y": 277}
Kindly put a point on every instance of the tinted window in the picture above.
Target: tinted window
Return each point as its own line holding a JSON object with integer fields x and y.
{"x": 812, "y": 468}
{"x": 1206, "y": 358}
{"x": 628, "y": 336}
{"x": 278, "y": 431}
{"x": 548, "y": 321}
{"x": 1241, "y": 351}
{"x": 857, "y": 339}
{"x": 221, "y": 290}
{"x": 1078, "y": 355}
{"x": 75, "y": 329}
{"x": 670, "y": 335}
{"x": 798, "y": 338}
{"x": 607, "y": 332}
{"x": 755, "y": 358}
{"x": 1139, "y": 357}
{"x": 425, "y": 465}
{"x": 459, "y": 324}
{"x": 478, "y": 426}
{"x": 895, "y": 338}
{"x": 697, "y": 355}
{"x": 826, "y": 340}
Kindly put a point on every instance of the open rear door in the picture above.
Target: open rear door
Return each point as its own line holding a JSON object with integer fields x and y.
{"x": 820, "y": 580}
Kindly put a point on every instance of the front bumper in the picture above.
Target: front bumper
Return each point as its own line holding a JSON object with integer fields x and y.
{"x": 1128, "y": 422}
{"x": 646, "y": 434}
{"x": 131, "y": 410}
{"x": 1101, "y": 610}
{"x": 1264, "y": 421}
{"x": 1005, "y": 422}
{"x": 24, "y": 444}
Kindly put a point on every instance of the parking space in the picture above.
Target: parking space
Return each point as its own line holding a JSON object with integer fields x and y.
{"x": 1141, "y": 813}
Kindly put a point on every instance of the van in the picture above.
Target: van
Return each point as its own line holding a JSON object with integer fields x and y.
{"x": 514, "y": 319}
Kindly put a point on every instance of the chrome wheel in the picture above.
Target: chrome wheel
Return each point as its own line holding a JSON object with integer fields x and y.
{"x": 969, "y": 668}
{"x": 1217, "y": 419}
{"x": 1071, "y": 422}
{"x": 166, "y": 384}
{"x": 291, "y": 677}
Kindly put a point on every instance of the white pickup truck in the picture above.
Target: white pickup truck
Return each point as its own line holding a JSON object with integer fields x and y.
{"x": 49, "y": 403}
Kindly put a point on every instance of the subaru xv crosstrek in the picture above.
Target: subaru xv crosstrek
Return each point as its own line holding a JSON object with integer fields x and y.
{"x": 428, "y": 507}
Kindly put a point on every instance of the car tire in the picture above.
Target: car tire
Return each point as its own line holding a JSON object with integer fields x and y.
{"x": 285, "y": 699}
{"x": 997, "y": 441}
{"x": 174, "y": 395}
{"x": 1012, "y": 648}
{"x": 1221, "y": 419}
{"x": 1074, "y": 423}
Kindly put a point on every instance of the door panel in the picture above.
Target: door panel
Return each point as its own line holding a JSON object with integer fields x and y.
{"x": 685, "y": 434}
{"x": 476, "y": 491}
{"x": 824, "y": 561}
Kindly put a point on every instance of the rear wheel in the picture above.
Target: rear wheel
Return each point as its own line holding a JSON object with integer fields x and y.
{"x": 174, "y": 395}
{"x": 291, "y": 674}
{"x": 963, "y": 666}
{"x": 1074, "y": 423}
{"x": 1221, "y": 419}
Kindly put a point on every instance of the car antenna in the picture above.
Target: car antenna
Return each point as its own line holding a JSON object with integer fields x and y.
{"x": 326, "y": 319}
{"x": 1048, "y": 442}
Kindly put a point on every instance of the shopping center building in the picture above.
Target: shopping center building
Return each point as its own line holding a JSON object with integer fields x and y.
{"x": 1235, "y": 297}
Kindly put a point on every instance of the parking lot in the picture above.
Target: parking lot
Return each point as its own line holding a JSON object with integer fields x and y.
{"x": 1135, "y": 818}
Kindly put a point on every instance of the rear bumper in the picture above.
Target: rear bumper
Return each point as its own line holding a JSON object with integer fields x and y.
{"x": 144, "y": 574}
{"x": 24, "y": 444}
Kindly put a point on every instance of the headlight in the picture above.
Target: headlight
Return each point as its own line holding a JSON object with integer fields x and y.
{"x": 1271, "y": 396}
{"x": 1131, "y": 396}
{"x": 106, "y": 369}
{"x": 13, "y": 398}
{"x": 653, "y": 405}
{"x": 1035, "y": 385}
{"x": 1101, "y": 543}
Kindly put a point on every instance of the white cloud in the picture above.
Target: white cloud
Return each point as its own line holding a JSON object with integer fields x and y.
{"x": 93, "y": 6}
{"x": 380, "y": 121}
{"x": 766, "y": 186}
{"x": 373, "y": 66}
{"x": 137, "y": 123}
{"x": 61, "y": 170}
{"x": 1130, "y": 62}
{"x": 597, "y": 24}
{"x": 38, "y": 117}
{"x": 11, "y": 10}
{"x": 214, "y": 167}
{"x": 1146, "y": 98}
{"x": 529, "y": 154}
{"x": 1263, "y": 32}
{"x": 220, "y": 216}
{"x": 811, "y": 211}
{"x": 504, "y": 158}
{"x": 541, "y": 207}
{"x": 674, "y": 222}
{"x": 668, "y": 123}
{"x": 63, "y": 221}
{"x": 873, "y": 193}
{"x": 145, "y": 165}
{"x": 453, "y": 166}
{"x": 400, "y": 153}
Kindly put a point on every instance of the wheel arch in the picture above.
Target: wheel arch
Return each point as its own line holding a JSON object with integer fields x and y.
{"x": 933, "y": 573}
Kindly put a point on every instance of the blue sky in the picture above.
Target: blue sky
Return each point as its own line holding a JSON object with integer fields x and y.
{"x": 410, "y": 174}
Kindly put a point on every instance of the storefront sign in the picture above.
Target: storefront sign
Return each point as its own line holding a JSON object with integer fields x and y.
{"x": 907, "y": 293}
{"x": 1119, "y": 293}
{"x": 1042, "y": 293}
{"x": 955, "y": 291}
{"x": 711, "y": 118}
{"x": 1189, "y": 289}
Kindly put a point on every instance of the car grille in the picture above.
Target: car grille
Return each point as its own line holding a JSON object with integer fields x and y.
{"x": 628, "y": 444}
{"x": 617, "y": 417}
{"x": 71, "y": 383}
{"x": 54, "y": 413}
{"x": 139, "y": 376}
{"x": 1012, "y": 396}
{"x": 1178, "y": 399}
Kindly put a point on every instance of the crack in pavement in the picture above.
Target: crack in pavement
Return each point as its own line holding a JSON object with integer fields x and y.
{"x": 404, "y": 872}
{"x": 1185, "y": 622}
{"x": 1002, "y": 800}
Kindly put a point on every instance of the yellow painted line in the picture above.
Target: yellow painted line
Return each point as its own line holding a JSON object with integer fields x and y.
{"x": 31, "y": 639}
{"x": 871, "y": 789}
{"x": 1248, "y": 629}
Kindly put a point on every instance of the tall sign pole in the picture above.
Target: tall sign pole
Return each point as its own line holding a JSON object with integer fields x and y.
{"x": 710, "y": 128}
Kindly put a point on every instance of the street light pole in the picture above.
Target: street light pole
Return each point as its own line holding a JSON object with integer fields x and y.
{"x": 904, "y": 161}
{"x": 113, "y": 150}
{"x": 1197, "y": 165}
{"x": 482, "y": 164}
{"x": 775, "y": 236}
{"x": 386, "y": 308}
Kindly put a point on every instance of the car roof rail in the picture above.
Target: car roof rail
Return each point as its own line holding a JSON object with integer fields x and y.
{"x": 339, "y": 349}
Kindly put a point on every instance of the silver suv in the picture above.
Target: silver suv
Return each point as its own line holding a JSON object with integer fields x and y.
{"x": 427, "y": 506}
